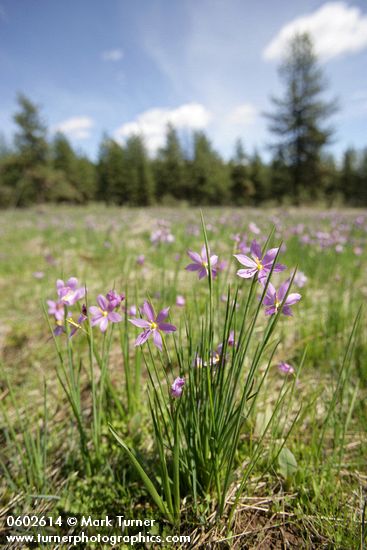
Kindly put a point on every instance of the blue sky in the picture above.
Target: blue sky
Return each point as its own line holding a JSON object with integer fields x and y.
{"x": 121, "y": 67}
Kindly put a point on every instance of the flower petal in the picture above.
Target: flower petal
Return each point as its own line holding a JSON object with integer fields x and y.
{"x": 102, "y": 302}
{"x": 141, "y": 323}
{"x": 103, "y": 324}
{"x": 148, "y": 311}
{"x": 162, "y": 315}
{"x": 245, "y": 260}
{"x": 292, "y": 298}
{"x": 270, "y": 256}
{"x": 143, "y": 337}
{"x": 255, "y": 249}
{"x": 194, "y": 256}
{"x": 193, "y": 267}
{"x": 114, "y": 317}
{"x": 246, "y": 273}
{"x": 167, "y": 327}
{"x": 157, "y": 339}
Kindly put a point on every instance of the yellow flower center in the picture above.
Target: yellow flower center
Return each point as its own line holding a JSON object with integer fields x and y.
{"x": 153, "y": 325}
{"x": 67, "y": 296}
{"x": 104, "y": 313}
{"x": 277, "y": 303}
{"x": 259, "y": 264}
{"x": 205, "y": 264}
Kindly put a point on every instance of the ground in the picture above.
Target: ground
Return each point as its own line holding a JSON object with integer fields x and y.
{"x": 321, "y": 420}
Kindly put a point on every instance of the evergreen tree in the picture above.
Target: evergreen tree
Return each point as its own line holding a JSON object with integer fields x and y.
{"x": 210, "y": 181}
{"x": 349, "y": 181}
{"x": 29, "y": 172}
{"x": 258, "y": 175}
{"x": 86, "y": 178}
{"x": 139, "y": 179}
{"x": 170, "y": 170}
{"x": 242, "y": 188}
{"x": 279, "y": 177}
{"x": 361, "y": 192}
{"x": 112, "y": 184}
{"x": 300, "y": 115}
{"x": 30, "y": 139}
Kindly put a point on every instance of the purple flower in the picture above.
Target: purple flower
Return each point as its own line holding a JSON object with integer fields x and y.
{"x": 273, "y": 299}
{"x": 153, "y": 326}
{"x": 258, "y": 263}
{"x": 69, "y": 293}
{"x": 140, "y": 259}
{"x": 253, "y": 228}
{"x": 59, "y": 329}
{"x": 132, "y": 310}
{"x": 230, "y": 342}
{"x": 286, "y": 368}
{"x": 114, "y": 299}
{"x": 177, "y": 387}
{"x": 300, "y": 279}
{"x": 180, "y": 301}
{"x": 200, "y": 263}
{"x": 57, "y": 309}
{"x": 104, "y": 313}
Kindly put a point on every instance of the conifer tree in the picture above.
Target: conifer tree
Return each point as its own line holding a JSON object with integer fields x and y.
{"x": 209, "y": 181}
{"x": 242, "y": 188}
{"x": 299, "y": 119}
{"x": 139, "y": 179}
{"x": 170, "y": 168}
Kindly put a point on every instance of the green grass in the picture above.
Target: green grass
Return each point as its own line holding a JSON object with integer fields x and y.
{"x": 248, "y": 457}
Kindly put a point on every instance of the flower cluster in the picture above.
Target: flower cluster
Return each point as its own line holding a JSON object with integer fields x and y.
{"x": 68, "y": 294}
{"x": 105, "y": 311}
{"x": 162, "y": 234}
{"x": 261, "y": 264}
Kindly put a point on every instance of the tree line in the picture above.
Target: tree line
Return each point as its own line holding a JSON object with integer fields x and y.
{"x": 38, "y": 170}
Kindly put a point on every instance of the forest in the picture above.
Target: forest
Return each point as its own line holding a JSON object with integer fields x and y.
{"x": 35, "y": 168}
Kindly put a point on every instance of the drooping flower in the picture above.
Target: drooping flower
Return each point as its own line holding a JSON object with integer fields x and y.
{"x": 286, "y": 368}
{"x": 153, "y": 326}
{"x": 77, "y": 325}
{"x": 59, "y": 329}
{"x": 273, "y": 299}
{"x": 68, "y": 292}
{"x": 258, "y": 263}
{"x": 201, "y": 264}
{"x": 177, "y": 387}
{"x": 103, "y": 314}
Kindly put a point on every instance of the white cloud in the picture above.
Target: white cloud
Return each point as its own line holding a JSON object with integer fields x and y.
{"x": 335, "y": 28}
{"x": 76, "y": 127}
{"x": 152, "y": 123}
{"x": 243, "y": 115}
{"x": 112, "y": 55}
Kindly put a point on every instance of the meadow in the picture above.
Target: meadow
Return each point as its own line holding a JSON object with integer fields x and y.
{"x": 237, "y": 416}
